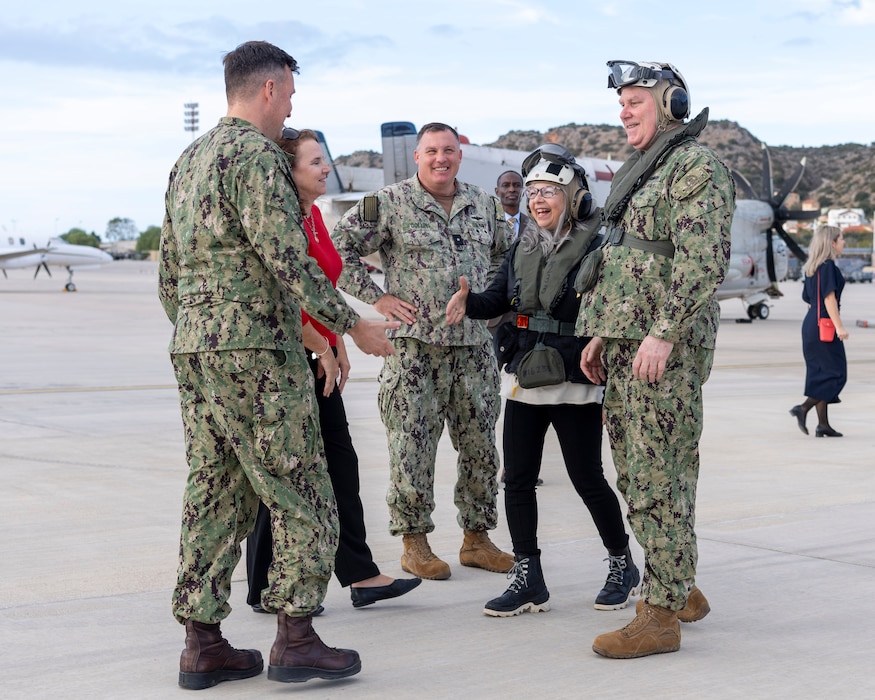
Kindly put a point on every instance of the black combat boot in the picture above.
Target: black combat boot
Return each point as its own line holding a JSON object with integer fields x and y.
{"x": 527, "y": 590}
{"x": 622, "y": 583}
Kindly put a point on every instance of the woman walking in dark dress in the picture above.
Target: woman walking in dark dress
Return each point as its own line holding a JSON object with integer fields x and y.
{"x": 826, "y": 367}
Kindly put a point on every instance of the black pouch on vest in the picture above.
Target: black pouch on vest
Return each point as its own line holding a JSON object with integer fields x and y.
{"x": 540, "y": 366}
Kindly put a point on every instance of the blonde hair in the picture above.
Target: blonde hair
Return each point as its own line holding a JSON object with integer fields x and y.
{"x": 821, "y": 248}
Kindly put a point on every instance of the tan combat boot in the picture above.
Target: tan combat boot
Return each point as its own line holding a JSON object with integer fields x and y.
{"x": 419, "y": 560}
{"x": 654, "y": 630}
{"x": 695, "y": 609}
{"x": 478, "y": 550}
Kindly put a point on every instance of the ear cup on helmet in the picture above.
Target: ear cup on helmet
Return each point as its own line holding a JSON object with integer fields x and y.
{"x": 581, "y": 204}
{"x": 676, "y": 103}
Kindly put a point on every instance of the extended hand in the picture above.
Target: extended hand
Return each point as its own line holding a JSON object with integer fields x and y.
{"x": 458, "y": 303}
{"x": 370, "y": 336}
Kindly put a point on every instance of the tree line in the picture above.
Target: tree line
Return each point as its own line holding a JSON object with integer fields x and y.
{"x": 117, "y": 229}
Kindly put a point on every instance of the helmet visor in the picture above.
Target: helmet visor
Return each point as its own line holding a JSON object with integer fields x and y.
{"x": 625, "y": 73}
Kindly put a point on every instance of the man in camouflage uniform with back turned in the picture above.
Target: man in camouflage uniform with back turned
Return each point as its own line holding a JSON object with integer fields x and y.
{"x": 429, "y": 230}
{"x": 653, "y": 312}
{"x": 233, "y": 274}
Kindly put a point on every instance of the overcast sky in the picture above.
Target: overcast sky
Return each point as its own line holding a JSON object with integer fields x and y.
{"x": 92, "y": 119}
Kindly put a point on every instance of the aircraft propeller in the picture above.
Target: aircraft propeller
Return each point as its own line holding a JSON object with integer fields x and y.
{"x": 781, "y": 213}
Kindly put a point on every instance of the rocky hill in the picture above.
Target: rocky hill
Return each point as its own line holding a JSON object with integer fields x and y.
{"x": 835, "y": 176}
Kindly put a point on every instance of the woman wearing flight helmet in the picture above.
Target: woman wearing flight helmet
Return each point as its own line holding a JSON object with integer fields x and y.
{"x": 541, "y": 378}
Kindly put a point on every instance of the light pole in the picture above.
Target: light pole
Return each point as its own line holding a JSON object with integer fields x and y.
{"x": 191, "y": 118}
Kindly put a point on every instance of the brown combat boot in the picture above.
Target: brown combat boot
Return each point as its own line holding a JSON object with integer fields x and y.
{"x": 299, "y": 655}
{"x": 208, "y": 659}
{"x": 696, "y": 608}
{"x": 478, "y": 550}
{"x": 419, "y": 560}
{"x": 654, "y": 630}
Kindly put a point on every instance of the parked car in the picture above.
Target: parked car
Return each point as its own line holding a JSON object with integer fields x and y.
{"x": 855, "y": 270}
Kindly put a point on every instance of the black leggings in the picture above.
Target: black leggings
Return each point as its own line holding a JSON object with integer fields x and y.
{"x": 579, "y": 429}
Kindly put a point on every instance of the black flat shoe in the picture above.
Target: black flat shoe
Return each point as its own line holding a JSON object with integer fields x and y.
{"x": 820, "y": 431}
{"x": 257, "y": 608}
{"x": 798, "y": 413}
{"x": 368, "y": 596}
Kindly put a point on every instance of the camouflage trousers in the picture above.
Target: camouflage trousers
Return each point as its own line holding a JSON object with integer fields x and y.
{"x": 654, "y": 431}
{"x": 251, "y": 429}
{"x": 422, "y": 387}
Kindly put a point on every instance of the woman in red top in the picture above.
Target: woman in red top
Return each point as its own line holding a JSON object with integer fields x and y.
{"x": 354, "y": 565}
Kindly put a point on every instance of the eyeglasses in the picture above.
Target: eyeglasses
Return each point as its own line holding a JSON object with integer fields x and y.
{"x": 290, "y": 133}
{"x": 547, "y": 192}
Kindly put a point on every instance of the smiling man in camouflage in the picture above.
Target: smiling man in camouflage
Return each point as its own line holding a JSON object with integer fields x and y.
{"x": 429, "y": 230}
{"x": 654, "y": 313}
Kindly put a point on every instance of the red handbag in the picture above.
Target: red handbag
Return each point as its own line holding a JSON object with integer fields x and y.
{"x": 825, "y": 326}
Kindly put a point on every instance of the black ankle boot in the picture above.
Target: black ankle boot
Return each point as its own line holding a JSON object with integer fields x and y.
{"x": 622, "y": 582}
{"x": 527, "y": 590}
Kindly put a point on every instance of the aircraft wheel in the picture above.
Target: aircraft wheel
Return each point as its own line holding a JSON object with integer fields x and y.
{"x": 752, "y": 312}
{"x": 69, "y": 287}
{"x": 762, "y": 311}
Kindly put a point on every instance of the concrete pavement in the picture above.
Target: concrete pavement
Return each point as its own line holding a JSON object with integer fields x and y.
{"x": 92, "y": 465}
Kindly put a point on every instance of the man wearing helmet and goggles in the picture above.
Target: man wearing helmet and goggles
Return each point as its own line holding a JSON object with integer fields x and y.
{"x": 653, "y": 316}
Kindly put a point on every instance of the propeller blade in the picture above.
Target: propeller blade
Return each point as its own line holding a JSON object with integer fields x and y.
{"x": 743, "y": 184}
{"x": 791, "y": 244}
{"x": 40, "y": 266}
{"x": 791, "y": 184}
{"x": 767, "y": 191}
{"x": 784, "y": 214}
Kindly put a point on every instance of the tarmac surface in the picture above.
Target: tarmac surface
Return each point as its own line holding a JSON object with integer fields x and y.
{"x": 92, "y": 464}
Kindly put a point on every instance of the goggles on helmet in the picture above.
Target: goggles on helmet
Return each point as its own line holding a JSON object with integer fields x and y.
{"x": 551, "y": 162}
{"x": 626, "y": 73}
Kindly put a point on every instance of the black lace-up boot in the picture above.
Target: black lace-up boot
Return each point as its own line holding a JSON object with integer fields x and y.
{"x": 622, "y": 583}
{"x": 527, "y": 590}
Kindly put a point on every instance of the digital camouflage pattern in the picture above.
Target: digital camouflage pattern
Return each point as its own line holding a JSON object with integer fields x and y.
{"x": 422, "y": 387}
{"x": 423, "y": 253}
{"x": 233, "y": 275}
{"x": 440, "y": 373}
{"x": 654, "y": 428}
{"x": 689, "y": 201}
{"x": 234, "y": 268}
{"x": 251, "y": 434}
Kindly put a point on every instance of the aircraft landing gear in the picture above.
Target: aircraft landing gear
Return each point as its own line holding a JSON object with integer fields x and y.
{"x": 760, "y": 311}
{"x": 70, "y": 287}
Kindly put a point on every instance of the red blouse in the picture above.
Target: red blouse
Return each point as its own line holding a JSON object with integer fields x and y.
{"x": 322, "y": 250}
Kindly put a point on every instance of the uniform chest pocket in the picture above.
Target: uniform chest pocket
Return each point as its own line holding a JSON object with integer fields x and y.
{"x": 644, "y": 217}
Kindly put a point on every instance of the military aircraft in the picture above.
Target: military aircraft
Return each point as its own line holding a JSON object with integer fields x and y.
{"x": 760, "y": 245}
{"x": 18, "y": 252}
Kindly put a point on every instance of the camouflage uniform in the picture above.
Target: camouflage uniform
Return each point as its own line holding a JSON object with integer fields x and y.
{"x": 233, "y": 270}
{"x": 654, "y": 428}
{"x": 439, "y": 373}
